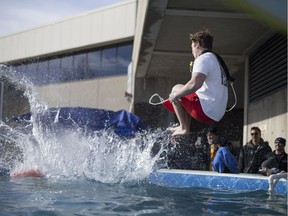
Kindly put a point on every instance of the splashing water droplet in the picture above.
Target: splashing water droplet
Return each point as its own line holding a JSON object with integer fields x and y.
{"x": 72, "y": 151}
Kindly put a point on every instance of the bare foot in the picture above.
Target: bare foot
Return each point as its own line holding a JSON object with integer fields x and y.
{"x": 173, "y": 129}
{"x": 180, "y": 132}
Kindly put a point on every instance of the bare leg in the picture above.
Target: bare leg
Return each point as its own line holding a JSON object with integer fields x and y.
{"x": 183, "y": 117}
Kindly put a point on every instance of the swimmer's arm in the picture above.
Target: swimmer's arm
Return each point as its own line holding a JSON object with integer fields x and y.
{"x": 191, "y": 86}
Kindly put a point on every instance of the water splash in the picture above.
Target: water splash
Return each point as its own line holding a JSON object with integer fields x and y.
{"x": 73, "y": 151}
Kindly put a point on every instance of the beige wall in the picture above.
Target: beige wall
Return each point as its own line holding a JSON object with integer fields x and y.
{"x": 140, "y": 20}
{"x": 104, "y": 93}
{"x": 95, "y": 28}
{"x": 270, "y": 115}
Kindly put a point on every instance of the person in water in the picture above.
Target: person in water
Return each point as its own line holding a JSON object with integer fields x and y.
{"x": 205, "y": 95}
{"x": 11, "y": 154}
{"x": 5, "y": 172}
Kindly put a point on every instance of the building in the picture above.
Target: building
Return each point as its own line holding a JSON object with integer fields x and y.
{"x": 83, "y": 60}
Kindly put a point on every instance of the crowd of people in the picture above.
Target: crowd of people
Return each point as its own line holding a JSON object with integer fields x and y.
{"x": 255, "y": 157}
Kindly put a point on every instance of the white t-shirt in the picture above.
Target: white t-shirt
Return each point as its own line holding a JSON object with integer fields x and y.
{"x": 213, "y": 94}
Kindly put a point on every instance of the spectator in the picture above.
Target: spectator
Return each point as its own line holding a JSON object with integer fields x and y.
{"x": 253, "y": 153}
{"x": 279, "y": 153}
{"x": 225, "y": 161}
{"x": 278, "y": 162}
{"x": 214, "y": 143}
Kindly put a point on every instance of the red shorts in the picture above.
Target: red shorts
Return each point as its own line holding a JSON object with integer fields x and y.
{"x": 192, "y": 105}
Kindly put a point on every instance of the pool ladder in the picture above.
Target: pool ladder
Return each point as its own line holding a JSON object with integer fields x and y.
{"x": 273, "y": 180}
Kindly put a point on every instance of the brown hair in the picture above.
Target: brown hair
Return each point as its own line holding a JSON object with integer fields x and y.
{"x": 204, "y": 38}
{"x": 256, "y": 129}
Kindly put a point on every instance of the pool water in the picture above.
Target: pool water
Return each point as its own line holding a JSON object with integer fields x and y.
{"x": 34, "y": 196}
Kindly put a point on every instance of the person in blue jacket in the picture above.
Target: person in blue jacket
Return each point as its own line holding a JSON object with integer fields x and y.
{"x": 222, "y": 160}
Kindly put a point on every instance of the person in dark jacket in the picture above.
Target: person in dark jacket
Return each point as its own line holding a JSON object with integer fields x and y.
{"x": 278, "y": 162}
{"x": 253, "y": 153}
{"x": 279, "y": 154}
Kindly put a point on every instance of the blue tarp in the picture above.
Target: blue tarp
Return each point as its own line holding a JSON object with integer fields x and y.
{"x": 123, "y": 122}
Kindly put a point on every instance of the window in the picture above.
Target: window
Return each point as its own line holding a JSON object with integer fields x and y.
{"x": 20, "y": 69}
{"x": 43, "y": 72}
{"x": 94, "y": 64}
{"x": 80, "y": 67}
{"x": 32, "y": 73}
{"x": 101, "y": 62}
{"x": 108, "y": 62}
{"x": 54, "y": 70}
{"x": 66, "y": 70}
{"x": 123, "y": 58}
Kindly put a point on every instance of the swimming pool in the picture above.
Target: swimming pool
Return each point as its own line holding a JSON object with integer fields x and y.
{"x": 32, "y": 196}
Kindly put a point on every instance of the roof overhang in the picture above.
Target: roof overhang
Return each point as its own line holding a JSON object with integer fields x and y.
{"x": 166, "y": 47}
